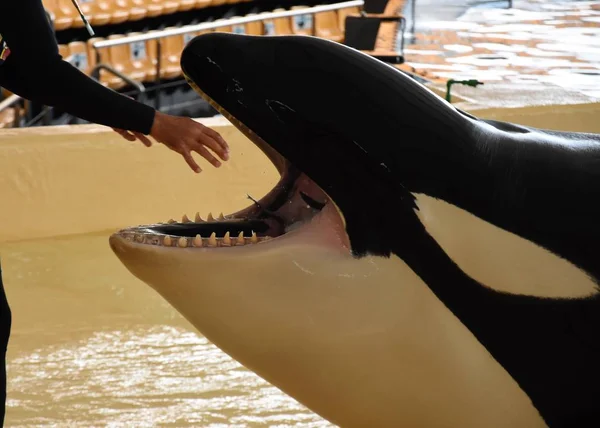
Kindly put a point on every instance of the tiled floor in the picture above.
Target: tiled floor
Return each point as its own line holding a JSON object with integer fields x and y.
{"x": 537, "y": 41}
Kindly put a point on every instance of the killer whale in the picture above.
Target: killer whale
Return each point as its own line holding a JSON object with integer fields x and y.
{"x": 370, "y": 136}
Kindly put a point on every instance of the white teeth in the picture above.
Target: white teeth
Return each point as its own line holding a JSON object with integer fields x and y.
{"x": 210, "y": 217}
{"x": 167, "y": 241}
{"x": 227, "y": 239}
{"x": 182, "y": 242}
{"x": 221, "y": 216}
{"x": 254, "y": 238}
{"x": 240, "y": 239}
{"x": 185, "y": 219}
{"x": 212, "y": 241}
{"x": 197, "y": 241}
{"x": 171, "y": 221}
{"x": 198, "y": 218}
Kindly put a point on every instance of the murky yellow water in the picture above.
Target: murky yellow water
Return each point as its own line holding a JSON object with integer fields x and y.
{"x": 93, "y": 346}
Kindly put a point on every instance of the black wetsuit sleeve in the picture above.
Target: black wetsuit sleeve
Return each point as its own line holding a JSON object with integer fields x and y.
{"x": 36, "y": 71}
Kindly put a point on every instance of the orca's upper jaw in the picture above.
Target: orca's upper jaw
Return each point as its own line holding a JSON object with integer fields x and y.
{"x": 294, "y": 97}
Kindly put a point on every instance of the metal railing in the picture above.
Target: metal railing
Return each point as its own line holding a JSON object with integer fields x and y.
{"x": 186, "y": 29}
{"x": 205, "y": 26}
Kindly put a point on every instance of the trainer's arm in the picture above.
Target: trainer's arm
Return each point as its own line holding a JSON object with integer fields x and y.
{"x": 36, "y": 71}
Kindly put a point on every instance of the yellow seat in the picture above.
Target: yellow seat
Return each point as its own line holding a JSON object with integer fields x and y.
{"x": 302, "y": 24}
{"x": 327, "y": 27}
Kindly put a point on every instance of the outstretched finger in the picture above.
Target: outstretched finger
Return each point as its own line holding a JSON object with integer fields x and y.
{"x": 217, "y": 137}
{"x": 213, "y": 144}
{"x": 202, "y": 151}
{"x": 125, "y": 134}
{"x": 145, "y": 140}
{"x": 190, "y": 160}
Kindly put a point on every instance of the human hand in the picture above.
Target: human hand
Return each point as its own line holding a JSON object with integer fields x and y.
{"x": 132, "y": 136}
{"x": 184, "y": 135}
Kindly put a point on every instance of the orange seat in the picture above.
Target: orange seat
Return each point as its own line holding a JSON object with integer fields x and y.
{"x": 63, "y": 50}
{"x": 171, "y": 48}
{"x": 65, "y": 15}
{"x": 96, "y": 12}
{"x": 327, "y": 27}
{"x": 186, "y": 4}
{"x": 124, "y": 58}
{"x": 160, "y": 7}
{"x": 282, "y": 26}
{"x": 189, "y": 36}
{"x": 223, "y": 29}
{"x": 106, "y": 78}
{"x": 102, "y": 12}
{"x": 255, "y": 28}
{"x": 238, "y": 28}
{"x": 141, "y": 58}
{"x": 343, "y": 13}
{"x": 79, "y": 53}
{"x": 200, "y": 4}
{"x": 8, "y": 117}
{"x": 302, "y": 24}
{"x": 131, "y": 7}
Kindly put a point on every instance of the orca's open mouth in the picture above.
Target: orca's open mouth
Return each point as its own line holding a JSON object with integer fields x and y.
{"x": 294, "y": 202}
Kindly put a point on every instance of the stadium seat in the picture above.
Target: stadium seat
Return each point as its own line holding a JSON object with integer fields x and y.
{"x": 224, "y": 29}
{"x": 282, "y": 26}
{"x": 63, "y": 51}
{"x": 65, "y": 16}
{"x": 126, "y": 58}
{"x": 302, "y": 24}
{"x": 171, "y": 48}
{"x": 102, "y": 8}
{"x": 238, "y": 28}
{"x": 326, "y": 26}
{"x": 166, "y": 7}
{"x": 200, "y": 4}
{"x": 141, "y": 61}
{"x": 135, "y": 12}
{"x": 96, "y": 11}
{"x": 79, "y": 53}
{"x": 255, "y": 28}
{"x": 343, "y": 13}
{"x": 106, "y": 78}
{"x": 185, "y": 5}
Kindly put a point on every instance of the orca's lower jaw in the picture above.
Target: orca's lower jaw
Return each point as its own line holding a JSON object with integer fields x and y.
{"x": 296, "y": 208}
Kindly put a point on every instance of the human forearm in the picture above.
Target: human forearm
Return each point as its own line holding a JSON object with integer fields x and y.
{"x": 64, "y": 86}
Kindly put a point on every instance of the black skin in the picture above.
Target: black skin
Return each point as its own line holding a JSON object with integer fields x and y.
{"x": 370, "y": 136}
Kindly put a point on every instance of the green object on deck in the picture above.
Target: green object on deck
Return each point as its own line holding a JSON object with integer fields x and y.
{"x": 449, "y": 83}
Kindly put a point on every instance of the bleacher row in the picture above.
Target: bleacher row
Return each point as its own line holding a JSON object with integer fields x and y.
{"x": 139, "y": 60}
{"x": 109, "y": 12}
